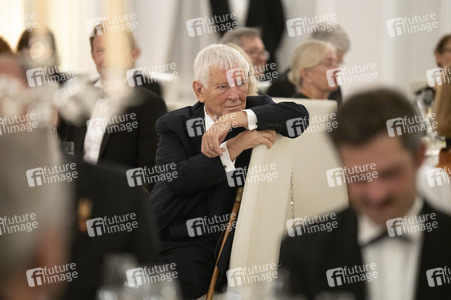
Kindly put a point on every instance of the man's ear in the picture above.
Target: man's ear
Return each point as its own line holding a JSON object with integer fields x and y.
{"x": 199, "y": 89}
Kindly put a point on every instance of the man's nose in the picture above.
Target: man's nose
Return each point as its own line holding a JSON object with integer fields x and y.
{"x": 377, "y": 191}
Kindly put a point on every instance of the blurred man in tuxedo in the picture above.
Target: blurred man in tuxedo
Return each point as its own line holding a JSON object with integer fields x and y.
{"x": 207, "y": 143}
{"x": 250, "y": 41}
{"x": 388, "y": 229}
{"x": 128, "y": 137}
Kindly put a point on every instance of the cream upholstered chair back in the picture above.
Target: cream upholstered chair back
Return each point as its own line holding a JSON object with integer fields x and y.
{"x": 301, "y": 167}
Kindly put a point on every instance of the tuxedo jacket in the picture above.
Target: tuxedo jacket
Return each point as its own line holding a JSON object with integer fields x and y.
{"x": 308, "y": 257}
{"x": 137, "y": 147}
{"x": 267, "y": 15}
{"x": 107, "y": 191}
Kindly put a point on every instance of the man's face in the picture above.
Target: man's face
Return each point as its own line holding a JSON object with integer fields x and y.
{"x": 220, "y": 98}
{"x": 393, "y": 192}
{"x": 255, "y": 48}
{"x": 444, "y": 59}
{"x": 100, "y": 57}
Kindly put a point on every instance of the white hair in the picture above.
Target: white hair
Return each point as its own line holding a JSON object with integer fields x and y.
{"x": 217, "y": 56}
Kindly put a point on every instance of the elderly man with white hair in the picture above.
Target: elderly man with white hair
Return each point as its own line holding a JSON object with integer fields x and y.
{"x": 208, "y": 146}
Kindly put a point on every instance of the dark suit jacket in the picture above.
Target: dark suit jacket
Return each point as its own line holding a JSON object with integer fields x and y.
{"x": 308, "y": 257}
{"x": 108, "y": 191}
{"x": 268, "y": 15}
{"x": 135, "y": 148}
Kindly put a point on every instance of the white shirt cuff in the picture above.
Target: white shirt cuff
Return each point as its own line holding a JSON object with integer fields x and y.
{"x": 251, "y": 119}
{"x": 228, "y": 164}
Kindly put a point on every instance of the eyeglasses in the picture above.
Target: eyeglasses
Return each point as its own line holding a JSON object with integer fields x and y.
{"x": 256, "y": 53}
{"x": 329, "y": 63}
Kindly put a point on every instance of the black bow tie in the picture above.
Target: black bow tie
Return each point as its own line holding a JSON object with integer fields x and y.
{"x": 384, "y": 235}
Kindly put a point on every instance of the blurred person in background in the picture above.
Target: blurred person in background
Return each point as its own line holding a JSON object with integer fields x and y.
{"x": 442, "y": 109}
{"x": 389, "y": 228}
{"x": 442, "y": 53}
{"x": 100, "y": 140}
{"x": 34, "y": 221}
{"x": 249, "y": 39}
{"x": 267, "y": 15}
{"x": 283, "y": 87}
{"x": 309, "y": 66}
{"x": 252, "y": 84}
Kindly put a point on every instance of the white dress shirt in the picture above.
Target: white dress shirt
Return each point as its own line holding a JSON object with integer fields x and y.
{"x": 101, "y": 113}
{"x": 228, "y": 164}
{"x": 396, "y": 258}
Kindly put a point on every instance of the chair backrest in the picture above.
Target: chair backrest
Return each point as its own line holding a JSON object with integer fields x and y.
{"x": 266, "y": 205}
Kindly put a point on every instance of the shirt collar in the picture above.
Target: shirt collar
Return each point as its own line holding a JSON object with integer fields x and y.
{"x": 208, "y": 120}
{"x": 369, "y": 230}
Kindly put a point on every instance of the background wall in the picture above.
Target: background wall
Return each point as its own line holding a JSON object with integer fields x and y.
{"x": 162, "y": 34}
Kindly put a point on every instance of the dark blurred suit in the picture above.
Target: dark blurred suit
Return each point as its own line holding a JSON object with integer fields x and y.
{"x": 106, "y": 188}
{"x": 267, "y": 15}
{"x": 132, "y": 149}
{"x": 309, "y": 256}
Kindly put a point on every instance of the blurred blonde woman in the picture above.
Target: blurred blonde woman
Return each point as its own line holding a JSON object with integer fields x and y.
{"x": 309, "y": 65}
{"x": 252, "y": 91}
